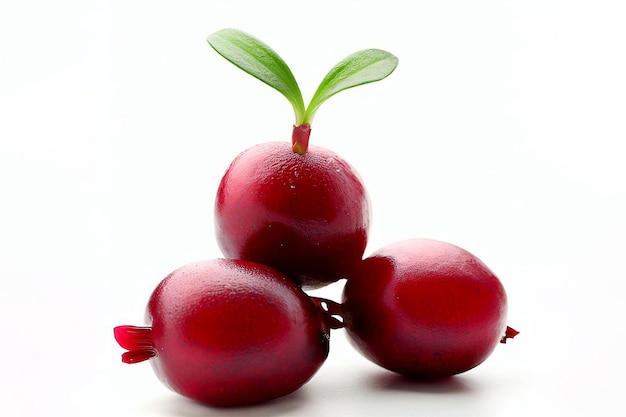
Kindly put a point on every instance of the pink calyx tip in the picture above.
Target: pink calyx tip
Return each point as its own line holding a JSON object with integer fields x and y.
{"x": 509, "y": 333}
{"x": 137, "y": 340}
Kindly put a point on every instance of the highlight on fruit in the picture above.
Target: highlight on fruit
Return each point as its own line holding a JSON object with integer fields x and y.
{"x": 290, "y": 217}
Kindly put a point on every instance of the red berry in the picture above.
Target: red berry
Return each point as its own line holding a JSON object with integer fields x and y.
{"x": 425, "y": 309}
{"x": 306, "y": 215}
{"x": 229, "y": 332}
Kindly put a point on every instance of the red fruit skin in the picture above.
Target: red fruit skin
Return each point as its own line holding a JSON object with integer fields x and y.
{"x": 305, "y": 215}
{"x": 231, "y": 333}
{"x": 425, "y": 309}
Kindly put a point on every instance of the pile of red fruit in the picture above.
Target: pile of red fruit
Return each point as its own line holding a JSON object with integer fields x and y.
{"x": 294, "y": 217}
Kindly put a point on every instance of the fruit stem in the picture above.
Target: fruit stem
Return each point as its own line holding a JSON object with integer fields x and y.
{"x": 509, "y": 333}
{"x": 137, "y": 340}
{"x": 300, "y": 138}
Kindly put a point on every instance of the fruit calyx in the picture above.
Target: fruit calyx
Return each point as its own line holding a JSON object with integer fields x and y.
{"x": 259, "y": 60}
{"x": 137, "y": 340}
{"x": 332, "y": 312}
{"x": 509, "y": 333}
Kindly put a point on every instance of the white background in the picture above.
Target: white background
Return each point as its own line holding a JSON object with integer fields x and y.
{"x": 501, "y": 131}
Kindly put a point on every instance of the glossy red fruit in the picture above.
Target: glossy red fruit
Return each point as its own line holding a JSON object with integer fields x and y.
{"x": 306, "y": 215}
{"x": 425, "y": 309}
{"x": 228, "y": 333}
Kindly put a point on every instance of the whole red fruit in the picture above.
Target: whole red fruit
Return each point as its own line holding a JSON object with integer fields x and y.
{"x": 306, "y": 215}
{"x": 425, "y": 309}
{"x": 229, "y": 332}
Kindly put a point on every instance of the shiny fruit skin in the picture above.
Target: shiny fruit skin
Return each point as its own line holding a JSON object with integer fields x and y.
{"x": 305, "y": 215}
{"x": 425, "y": 309}
{"x": 230, "y": 333}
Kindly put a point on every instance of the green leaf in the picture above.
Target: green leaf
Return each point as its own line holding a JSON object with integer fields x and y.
{"x": 360, "y": 68}
{"x": 259, "y": 60}
{"x": 262, "y": 62}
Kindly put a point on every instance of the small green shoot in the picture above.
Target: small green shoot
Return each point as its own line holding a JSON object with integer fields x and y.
{"x": 262, "y": 62}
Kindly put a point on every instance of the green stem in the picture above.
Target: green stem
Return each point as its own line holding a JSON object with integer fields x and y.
{"x": 262, "y": 62}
